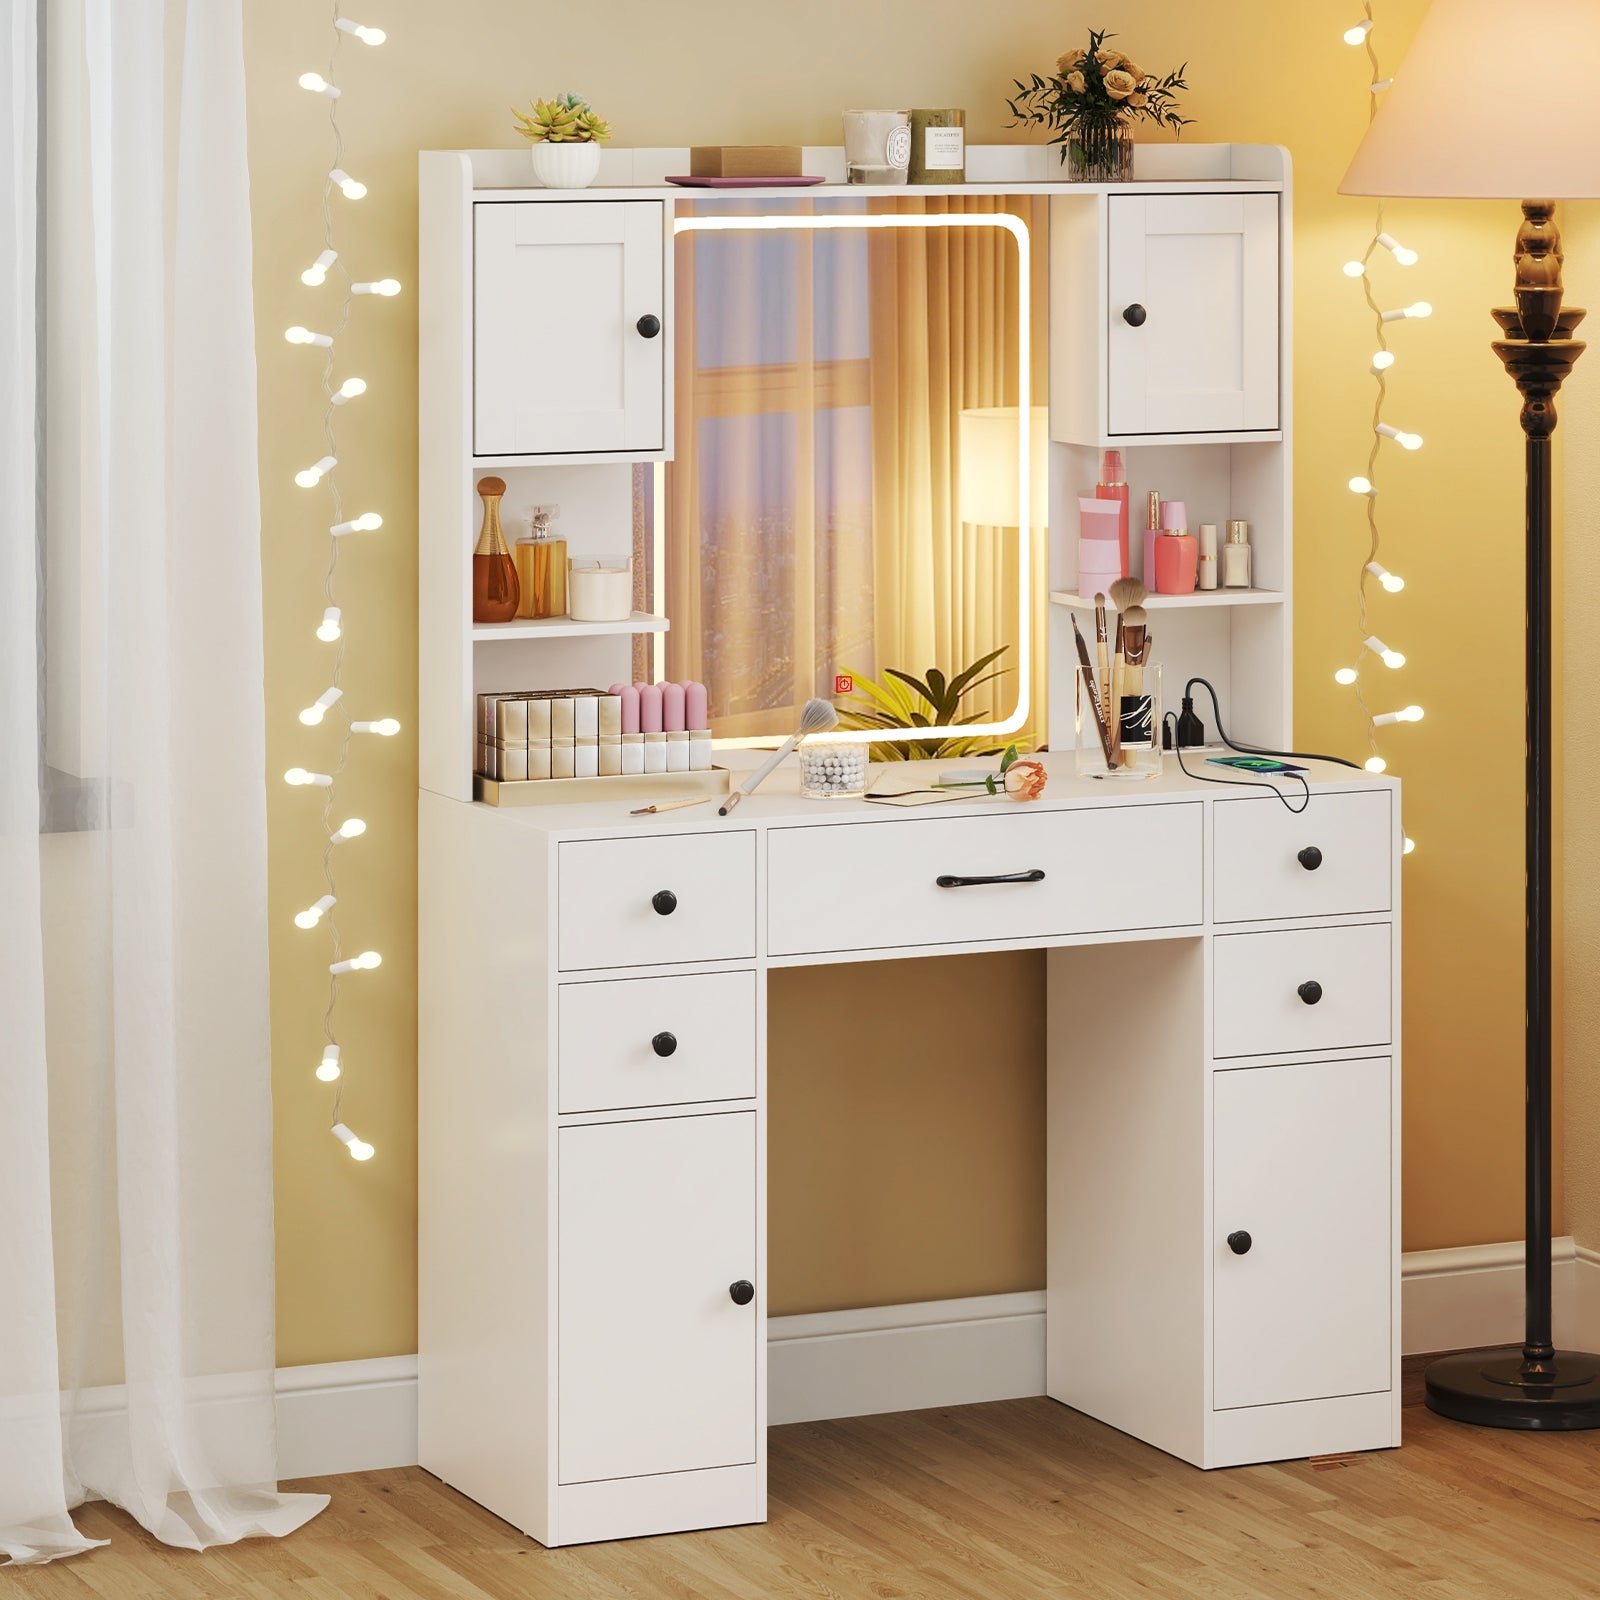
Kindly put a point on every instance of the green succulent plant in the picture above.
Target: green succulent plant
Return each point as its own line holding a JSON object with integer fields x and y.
{"x": 567, "y": 119}
{"x": 931, "y": 701}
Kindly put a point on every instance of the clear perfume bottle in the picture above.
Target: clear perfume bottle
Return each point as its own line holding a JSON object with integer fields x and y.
{"x": 495, "y": 590}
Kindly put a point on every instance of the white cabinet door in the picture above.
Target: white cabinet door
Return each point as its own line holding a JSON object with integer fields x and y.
{"x": 1192, "y": 292}
{"x": 565, "y": 295}
{"x": 1303, "y": 1187}
{"x": 658, "y": 1364}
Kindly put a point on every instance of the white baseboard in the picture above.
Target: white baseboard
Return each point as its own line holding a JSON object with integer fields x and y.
{"x": 358, "y": 1416}
{"x": 905, "y": 1358}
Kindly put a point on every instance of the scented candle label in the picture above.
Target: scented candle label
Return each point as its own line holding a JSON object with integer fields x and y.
{"x": 944, "y": 149}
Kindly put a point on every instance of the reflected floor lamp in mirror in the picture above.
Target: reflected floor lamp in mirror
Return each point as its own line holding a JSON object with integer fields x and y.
{"x": 1435, "y": 136}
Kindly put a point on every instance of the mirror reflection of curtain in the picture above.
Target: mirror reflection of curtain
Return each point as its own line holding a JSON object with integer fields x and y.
{"x": 812, "y": 506}
{"x": 944, "y": 338}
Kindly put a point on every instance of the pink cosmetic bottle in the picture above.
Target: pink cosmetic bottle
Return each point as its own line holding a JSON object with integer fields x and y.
{"x": 1177, "y": 551}
{"x": 1113, "y": 485}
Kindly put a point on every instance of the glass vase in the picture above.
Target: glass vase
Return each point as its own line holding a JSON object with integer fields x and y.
{"x": 1100, "y": 152}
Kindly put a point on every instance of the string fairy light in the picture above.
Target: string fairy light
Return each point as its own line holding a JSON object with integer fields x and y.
{"x": 331, "y": 628}
{"x": 1365, "y": 484}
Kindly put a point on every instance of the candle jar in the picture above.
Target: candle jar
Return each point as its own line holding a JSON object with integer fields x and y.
{"x": 600, "y": 591}
{"x": 833, "y": 769}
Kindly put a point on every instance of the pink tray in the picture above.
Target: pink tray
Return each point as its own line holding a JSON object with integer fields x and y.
{"x": 746, "y": 183}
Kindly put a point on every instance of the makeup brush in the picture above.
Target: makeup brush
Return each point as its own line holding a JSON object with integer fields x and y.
{"x": 816, "y": 716}
{"x": 1089, "y": 684}
{"x": 1134, "y": 645}
{"x": 1103, "y": 652}
{"x": 1126, "y": 593}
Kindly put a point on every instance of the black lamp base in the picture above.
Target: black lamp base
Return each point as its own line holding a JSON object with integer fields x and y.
{"x": 1490, "y": 1388}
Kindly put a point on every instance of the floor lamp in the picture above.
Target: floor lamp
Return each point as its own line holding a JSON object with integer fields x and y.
{"x": 1437, "y": 135}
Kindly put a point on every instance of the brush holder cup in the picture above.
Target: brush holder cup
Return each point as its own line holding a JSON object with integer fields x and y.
{"x": 1134, "y": 736}
{"x": 833, "y": 769}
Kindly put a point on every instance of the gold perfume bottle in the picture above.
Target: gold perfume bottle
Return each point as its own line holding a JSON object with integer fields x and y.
{"x": 494, "y": 573}
{"x": 542, "y": 569}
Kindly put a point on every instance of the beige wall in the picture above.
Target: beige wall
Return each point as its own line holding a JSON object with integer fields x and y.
{"x": 908, "y": 1164}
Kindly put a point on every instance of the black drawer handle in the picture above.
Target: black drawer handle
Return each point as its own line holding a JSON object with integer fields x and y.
{"x": 1310, "y": 991}
{"x": 649, "y": 325}
{"x": 742, "y": 1292}
{"x": 949, "y": 880}
{"x": 664, "y": 1043}
{"x": 1135, "y": 315}
{"x": 1310, "y": 858}
{"x": 1240, "y": 1242}
{"x": 665, "y": 902}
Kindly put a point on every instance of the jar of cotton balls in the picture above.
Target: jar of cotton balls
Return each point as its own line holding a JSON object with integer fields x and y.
{"x": 832, "y": 769}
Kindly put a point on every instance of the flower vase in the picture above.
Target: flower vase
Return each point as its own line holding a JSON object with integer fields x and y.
{"x": 1100, "y": 153}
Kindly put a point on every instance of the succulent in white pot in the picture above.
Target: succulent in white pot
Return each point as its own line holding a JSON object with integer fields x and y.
{"x": 565, "y": 136}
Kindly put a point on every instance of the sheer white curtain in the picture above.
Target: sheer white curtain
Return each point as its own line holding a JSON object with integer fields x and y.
{"x": 136, "y": 1308}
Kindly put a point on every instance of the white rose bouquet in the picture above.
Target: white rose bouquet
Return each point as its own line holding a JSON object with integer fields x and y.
{"x": 1090, "y": 101}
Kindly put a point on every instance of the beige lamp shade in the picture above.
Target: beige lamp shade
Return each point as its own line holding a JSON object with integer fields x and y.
{"x": 989, "y": 443}
{"x": 1494, "y": 100}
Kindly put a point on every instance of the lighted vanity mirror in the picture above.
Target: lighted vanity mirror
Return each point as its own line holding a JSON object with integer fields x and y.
{"x": 852, "y": 492}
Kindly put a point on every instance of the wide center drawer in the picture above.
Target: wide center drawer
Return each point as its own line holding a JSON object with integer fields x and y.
{"x": 647, "y": 902}
{"x": 1332, "y": 859}
{"x": 875, "y": 886}
{"x": 1302, "y": 989}
{"x": 657, "y": 1041}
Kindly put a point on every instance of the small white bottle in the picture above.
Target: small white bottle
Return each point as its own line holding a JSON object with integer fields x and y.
{"x": 1236, "y": 555}
{"x": 1208, "y": 555}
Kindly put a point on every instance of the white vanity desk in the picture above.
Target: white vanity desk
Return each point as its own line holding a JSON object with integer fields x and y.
{"x": 1223, "y": 1146}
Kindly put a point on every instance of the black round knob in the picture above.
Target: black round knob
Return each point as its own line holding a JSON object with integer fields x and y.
{"x": 1310, "y": 991}
{"x": 649, "y": 325}
{"x": 1240, "y": 1242}
{"x": 664, "y": 1043}
{"x": 665, "y": 902}
{"x": 1134, "y": 315}
{"x": 742, "y": 1292}
{"x": 1310, "y": 858}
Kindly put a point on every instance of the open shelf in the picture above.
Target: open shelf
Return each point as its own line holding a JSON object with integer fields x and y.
{"x": 1197, "y": 601}
{"x": 567, "y": 627}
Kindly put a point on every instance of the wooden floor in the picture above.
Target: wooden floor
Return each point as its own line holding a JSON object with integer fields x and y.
{"x": 1018, "y": 1500}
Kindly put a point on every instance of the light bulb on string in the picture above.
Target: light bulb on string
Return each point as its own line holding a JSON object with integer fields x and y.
{"x": 328, "y": 1068}
{"x": 1386, "y": 719}
{"x": 1408, "y": 846}
{"x": 1346, "y": 676}
{"x": 314, "y": 914}
{"x": 387, "y": 287}
{"x": 358, "y": 1148}
{"x": 1390, "y": 581}
{"x": 299, "y": 778}
{"x": 348, "y": 391}
{"x": 1390, "y": 658}
{"x": 1416, "y": 311}
{"x": 314, "y": 474}
{"x": 1382, "y": 360}
{"x": 317, "y": 273}
{"x": 372, "y": 36}
{"x": 387, "y": 726}
{"x": 367, "y": 522}
{"x": 1406, "y": 441}
{"x": 317, "y": 84}
{"x": 365, "y": 962}
{"x": 1362, "y": 485}
{"x": 348, "y": 186}
{"x": 350, "y": 828}
{"x": 1358, "y": 34}
{"x": 1355, "y": 269}
{"x": 319, "y": 708}
{"x": 329, "y": 628}
{"x": 1375, "y": 764}
{"x": 1406, "y": 258}
{"x": 299, "y": 335}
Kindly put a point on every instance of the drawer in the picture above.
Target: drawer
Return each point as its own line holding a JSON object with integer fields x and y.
{"x": 657, "y": 1041}
{"x": 646, "y": 902}
{"x": 1302, "y": 989}
{"x": 1334, "y": 859}
{"x": 865, "y": 886}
